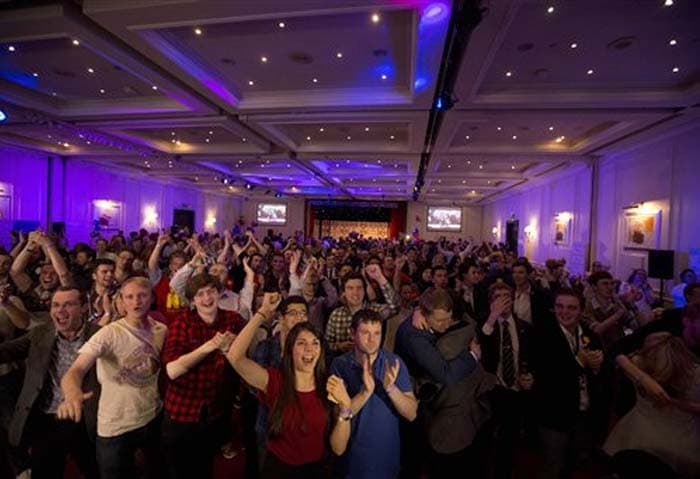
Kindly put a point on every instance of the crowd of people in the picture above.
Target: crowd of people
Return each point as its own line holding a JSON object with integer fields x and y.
{"x": 343, "y": 357}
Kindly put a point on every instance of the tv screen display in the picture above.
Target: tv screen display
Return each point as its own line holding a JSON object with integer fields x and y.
{"x": 271, "y": 214}
{"x": 441, "y": 218}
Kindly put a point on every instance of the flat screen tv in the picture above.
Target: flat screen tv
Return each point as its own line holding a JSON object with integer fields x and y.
{"x": 443, "y": 218}
{"x": 271, "y": 214}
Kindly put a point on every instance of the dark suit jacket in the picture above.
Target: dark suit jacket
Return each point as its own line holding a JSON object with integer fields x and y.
{"x": 491, "y": 346}
{"x": 480, "y": 311}
{"x": 556, "y": 374}
{"x": 35, "y": 349}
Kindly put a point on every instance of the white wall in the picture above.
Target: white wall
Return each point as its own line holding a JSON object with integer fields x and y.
{"x": 664, "y": 174}
{"x": 537, "y": 207}
{"x": 417, "y": 215}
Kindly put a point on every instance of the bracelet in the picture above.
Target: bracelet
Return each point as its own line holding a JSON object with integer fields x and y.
{"x": 391, "y": 389}
{"x": 345, "y": 414}
{"x": 262, "y": 314}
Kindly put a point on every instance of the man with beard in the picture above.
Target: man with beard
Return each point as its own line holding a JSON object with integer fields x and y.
{"x": 381, "y": 392}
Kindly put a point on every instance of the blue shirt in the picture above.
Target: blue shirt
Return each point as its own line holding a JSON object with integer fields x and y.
{"x": 268, "y": 354}
{"x": 374, "y": 447}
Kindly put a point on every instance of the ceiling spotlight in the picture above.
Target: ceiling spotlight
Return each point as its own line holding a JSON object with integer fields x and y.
{"x": 11, "y": 48}
{"x": 574, "y": 45}
{"x": 551, "y": 128}
{"x": 102, "y": 90}
{"x": 281, "y": 25}
{"x": 177, "y": 142}
{"x": 244, "y": 140}
{"x": 515, "y": 137}
{"x": 509, "y": 74}
{"x": 66, "y": 145}
{"x": 53, "y": 93}
{"x": 35, "y": 74}
{"x": 375, "y": 18}
{"x": 251, "y": 82}
{"x": 207, "y": 140}
{"x": 197, "y": 31}
{"x": 589, "y": 72}
{"x": 481, "y": 167}
{"x": 225, "y": 181}
{"x": 339, "y": 55}
{"x": 321, "y": 130}
{"x": 673, "y": 43}
{"x": 512, "y": 167}
{"x": 90, "y": 70}
{"x": 348, "y": 137}
{"x": 366, "y": 128}
{"x": 668, "y": 3}
{"x": 263, "y": 59}
{"x": 499, "y": 128}
{"x": 392, "y": 137}
{"x": 172, "y": 141}
{"x": 76, "y": 42}
{"x": 308, "y": 138}
{"x": 467, "y": 137}
{"x": 248, "y": 186}
{"x": 315, "y": 80}
{"x": 278, "y": 195}
{"x": 383, "y": 77}
{"x": 154, "y": 88}
{"x": 550, "y": 9}
{"x": 449, "y": 166}
{"x": 172, "y": 133}
{"x": 676, "y": 69}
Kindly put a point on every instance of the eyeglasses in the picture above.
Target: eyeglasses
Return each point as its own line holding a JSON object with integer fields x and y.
{"x": 298, "y": 314}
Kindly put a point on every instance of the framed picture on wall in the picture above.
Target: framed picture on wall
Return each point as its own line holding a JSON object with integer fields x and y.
{"x": 108, "y": 215}
{"x": 271, "y": 214}
{"x": 562, "y": 230}
{"x": 641, "y": 230}
{"x": 5, "y": 207}
{"x": 443, "y": 218}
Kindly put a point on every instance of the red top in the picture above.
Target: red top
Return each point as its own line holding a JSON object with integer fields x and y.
{"x": 296, "y": 445}
{"x": 201, "y": 385}
{"x": 161, "y": 290}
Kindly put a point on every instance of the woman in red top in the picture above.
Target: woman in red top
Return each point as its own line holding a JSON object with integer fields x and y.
{"x": 299, "y": 415}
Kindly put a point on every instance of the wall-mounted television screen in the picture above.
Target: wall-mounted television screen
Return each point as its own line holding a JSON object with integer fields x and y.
{"x": 271, "y": 214}
{"x": 441, "y": 218}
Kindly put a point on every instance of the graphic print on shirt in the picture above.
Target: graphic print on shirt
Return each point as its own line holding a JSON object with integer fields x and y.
{"x": 139, "y": 368}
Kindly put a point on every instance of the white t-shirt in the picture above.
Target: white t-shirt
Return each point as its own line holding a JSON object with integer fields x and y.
{"x": 128, "y": 364}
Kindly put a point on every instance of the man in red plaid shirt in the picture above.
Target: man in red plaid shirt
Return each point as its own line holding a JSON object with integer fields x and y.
{"x": 196, "y": 415}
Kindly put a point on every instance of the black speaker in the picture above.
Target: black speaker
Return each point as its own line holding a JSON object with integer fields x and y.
{"x": 660, "y": 262}
{"x": 58, "y": 228}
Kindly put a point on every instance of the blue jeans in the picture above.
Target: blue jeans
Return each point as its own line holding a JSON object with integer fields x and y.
{"x": 115, "y": 455}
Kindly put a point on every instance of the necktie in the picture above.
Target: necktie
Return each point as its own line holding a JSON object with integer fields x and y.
{"x": 507, "y": 362}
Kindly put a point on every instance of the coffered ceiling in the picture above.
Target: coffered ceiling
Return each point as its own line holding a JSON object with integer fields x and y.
{"x": 313, "y": 98}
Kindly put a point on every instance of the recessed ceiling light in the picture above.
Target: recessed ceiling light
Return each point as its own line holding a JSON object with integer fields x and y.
{"x": 315, "y": 80}
{"x": 512, "y": 167}
{"x": 551, "y": 128}
{"x": 102, "y": 90}
{"x": 244, "y": 139}
{"x": 348, "y": 137}
{"x": 366, "y": 128}
{"x": 574, "y": 45}
{"x": 509, "y": 74}
{"x": 668, "y": 3}
{"x": 383, "y": 77}
{"x": 469, "y": 162}
{"x": 263, "y": 59}
{"x": 339, "y": 55}
{"x": 308, "y": 138}
{"x": 321, "y": 129}
{"x": 11, "y": 48}
{"x": 207, "y": 140}
{"x": 172, "y": 133}
{"x": 35, "y": 74}
{"x": 198, "y": 31}
{"x": 154, "y": 88}
{"x": 467, "y": 137}
{"x": 251, "y": 82}
{"x": 449, "y": 166}
{"x": 515, "y": 137}
{"x": 88, "y": 142}
{"x": 673, "y": 43}
{"x": 392, "y": 137}
{"x": 676, "y": 69}
{"x": 90, "y": 70}
{"x": 499, "y": 128}
{"x": 76, "y": 42}
{"x": 439, "y": 181}
{"x": 375, "y": 18}
{"x": 481, "y": 167}
{"x": 464, "y": 182}
{"x": 177, "y": 142}
{"x": 550, "y": 9}
{"x": 281, "y": 25}
{"x": 488, "y": 182}
{"x": 589, "y": 72}
{"x": 66, "y": 145}
{"x": 53, "y": 93}
{"x": 172, "y": 141}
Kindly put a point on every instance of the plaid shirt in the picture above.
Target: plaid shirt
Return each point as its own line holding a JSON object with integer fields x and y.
{"x": 338, "y": 328}
{"x": 201, "y": 386}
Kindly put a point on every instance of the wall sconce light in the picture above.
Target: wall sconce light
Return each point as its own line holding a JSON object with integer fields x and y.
{"x": 495, "y": 232}
{"x": 530, "y": 232}
{"x": 564, "y": 216}
{"x": 150, "y": 216}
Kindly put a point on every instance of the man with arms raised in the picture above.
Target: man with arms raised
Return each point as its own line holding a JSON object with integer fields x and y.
{"x": 127, "y": 353}
{"x": 381, "y": 392}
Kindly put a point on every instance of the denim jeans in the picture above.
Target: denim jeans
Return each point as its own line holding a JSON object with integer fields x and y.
{"x": 115, "y": 455}
{"x": 190, "y": 447}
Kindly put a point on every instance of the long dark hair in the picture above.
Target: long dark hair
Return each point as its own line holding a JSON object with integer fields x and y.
{"x": 288, "y": 394}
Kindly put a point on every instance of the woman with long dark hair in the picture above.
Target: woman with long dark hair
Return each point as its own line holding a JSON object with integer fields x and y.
{"x": 294, "y": 393}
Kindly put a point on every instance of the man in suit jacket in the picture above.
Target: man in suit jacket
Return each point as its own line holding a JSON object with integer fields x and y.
{"x": 48, "y": 351}
{"x": 505, "y": 352}
{"x": 473, "y": 294}
{"x": 531, "y": 303}
{"x": 569, "y": 376}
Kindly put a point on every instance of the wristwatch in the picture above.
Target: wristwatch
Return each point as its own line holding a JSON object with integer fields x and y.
{"x": 346, "y": 414}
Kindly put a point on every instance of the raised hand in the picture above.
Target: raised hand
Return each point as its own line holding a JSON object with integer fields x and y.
{"x": 246, "y": 267}
{"x": 294, "y": 262}
{"x": 337, "y": 392}
{"x": 270, "y": 303}
{"x": 391, "y": 372}
{"x": 163, "y": 238}
{"x": 374, "y": 272}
